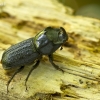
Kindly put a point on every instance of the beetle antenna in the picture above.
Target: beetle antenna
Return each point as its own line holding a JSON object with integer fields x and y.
{"x": 61, "y": 47}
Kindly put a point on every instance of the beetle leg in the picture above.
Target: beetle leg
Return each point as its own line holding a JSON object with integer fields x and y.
{"x": 33, "y": 67}
{"x": 54, "y": 65}
{"x": 17, "y": 71}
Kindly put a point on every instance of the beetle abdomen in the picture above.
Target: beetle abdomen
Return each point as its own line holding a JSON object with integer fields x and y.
{"x": 20, "y": 54}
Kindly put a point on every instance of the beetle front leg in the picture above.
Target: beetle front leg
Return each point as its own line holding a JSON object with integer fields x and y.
{"x": 33, "y": 67}
{"x": 17, "y": 71}
{"x": 54, "y": 65}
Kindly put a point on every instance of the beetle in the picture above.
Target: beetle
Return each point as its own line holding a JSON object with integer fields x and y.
{"x": 31, "y": 51}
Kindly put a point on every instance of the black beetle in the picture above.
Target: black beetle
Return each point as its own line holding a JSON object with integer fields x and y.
{"x": 31, "y": 50}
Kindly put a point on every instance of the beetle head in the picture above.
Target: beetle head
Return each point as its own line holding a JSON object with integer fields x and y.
{"x": 56, "y": 35}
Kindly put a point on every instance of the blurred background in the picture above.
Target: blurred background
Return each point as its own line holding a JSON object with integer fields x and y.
{"x": 88, "y": 8}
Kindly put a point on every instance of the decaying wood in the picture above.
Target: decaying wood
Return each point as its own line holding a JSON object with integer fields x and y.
{"x": 22, "y": 19}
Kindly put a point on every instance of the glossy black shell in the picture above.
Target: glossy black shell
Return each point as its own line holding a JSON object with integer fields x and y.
{"x": 20, "y": 54}
{"x": 26, "y": 52}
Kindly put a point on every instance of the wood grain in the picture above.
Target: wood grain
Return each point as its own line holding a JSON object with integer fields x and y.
{"x": 22, "y": 19}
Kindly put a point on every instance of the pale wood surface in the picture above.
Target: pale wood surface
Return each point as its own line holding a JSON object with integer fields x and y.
{"x": 22, "y": 19}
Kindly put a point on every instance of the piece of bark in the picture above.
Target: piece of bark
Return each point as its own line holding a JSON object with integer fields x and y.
{"x": 22, "y": 19}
